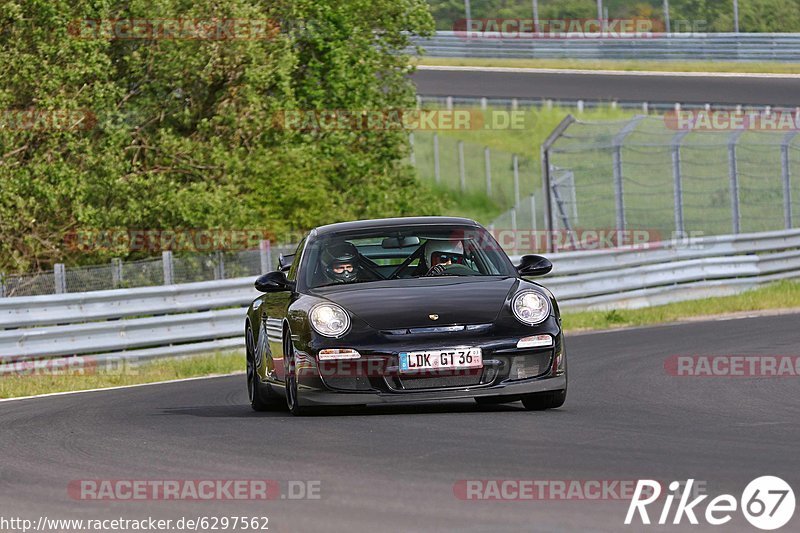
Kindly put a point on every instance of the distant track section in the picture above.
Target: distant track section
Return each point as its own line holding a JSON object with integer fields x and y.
{"x": 690, "y": 88}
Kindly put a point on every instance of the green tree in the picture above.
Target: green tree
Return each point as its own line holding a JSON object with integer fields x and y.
{"x": 185, "y": 133}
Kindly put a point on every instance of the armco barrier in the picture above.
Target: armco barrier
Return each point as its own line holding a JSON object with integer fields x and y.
{"x": 27, "y": 311}
{"x": 153, "y": 322}
{"x": 134, "y": 324}
{"x": 657, "y": 47}
{"x": 672, "y": 271}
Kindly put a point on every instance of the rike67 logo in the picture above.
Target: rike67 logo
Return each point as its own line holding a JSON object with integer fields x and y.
{"x": 767, "y": 503}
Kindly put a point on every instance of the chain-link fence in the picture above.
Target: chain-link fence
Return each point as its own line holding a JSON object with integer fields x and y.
{"x": 650, "y": 174}
{"x": 470, "y": 169}
{"x": 511, "y": 184}
{"x": 164, "y": 270}
{"x": 646, "y": 174}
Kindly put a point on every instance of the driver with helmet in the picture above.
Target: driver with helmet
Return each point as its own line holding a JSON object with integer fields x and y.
{"x": 341, "y": 262}
{"x": 441, "y": 254}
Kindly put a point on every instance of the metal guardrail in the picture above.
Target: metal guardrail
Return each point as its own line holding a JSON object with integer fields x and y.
{"x": 671, "y": 271}
{"x": 119, "y": 335}
{"x": 131, "y": 324}
{"x": 30, "y": 311}
{"x": 676, "y": 46}
{"x": 147, "y": 323}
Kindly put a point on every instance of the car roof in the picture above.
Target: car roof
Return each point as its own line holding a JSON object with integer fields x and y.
{"x": 393, "y": 222}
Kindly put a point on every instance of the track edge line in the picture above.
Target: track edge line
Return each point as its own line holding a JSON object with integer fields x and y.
{"x": 65, "y": 393}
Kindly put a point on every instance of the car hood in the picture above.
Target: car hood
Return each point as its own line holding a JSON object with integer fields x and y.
{"x": 409, "y": 303}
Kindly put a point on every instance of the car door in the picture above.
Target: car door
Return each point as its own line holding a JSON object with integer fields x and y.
{"x": 273, "y": 313}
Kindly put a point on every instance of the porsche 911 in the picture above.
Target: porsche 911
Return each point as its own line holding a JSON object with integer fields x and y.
{"x": 404, "y": 310}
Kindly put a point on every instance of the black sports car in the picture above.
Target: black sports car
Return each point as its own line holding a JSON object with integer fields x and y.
{"x": 404, "y": 310}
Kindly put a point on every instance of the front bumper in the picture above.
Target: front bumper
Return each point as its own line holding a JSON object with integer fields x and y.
{"x": 374, "y": 378}
{"x": 510, "y": 390}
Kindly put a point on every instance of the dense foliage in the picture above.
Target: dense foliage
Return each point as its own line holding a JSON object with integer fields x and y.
{"x": 180, "y": 133}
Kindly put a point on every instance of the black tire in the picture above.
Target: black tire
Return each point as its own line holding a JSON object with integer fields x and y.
{"x": 547, "y": 400}
{"x": 544, "y": 400}
{"x": 259, "y": 401}
{"x": 290, "y": 379}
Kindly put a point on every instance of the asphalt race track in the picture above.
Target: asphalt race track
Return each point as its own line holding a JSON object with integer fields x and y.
{"x": 393, "y": 469}
{"x": 775, "y": 91}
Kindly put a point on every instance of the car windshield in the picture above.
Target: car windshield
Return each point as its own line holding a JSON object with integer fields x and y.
{"x": 404, "y": 253}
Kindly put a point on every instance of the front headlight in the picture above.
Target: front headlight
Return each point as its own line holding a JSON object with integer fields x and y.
{"x": 329, "y": 320}
{"x": 531, "y": 307}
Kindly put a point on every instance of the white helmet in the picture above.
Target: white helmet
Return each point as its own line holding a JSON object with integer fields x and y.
{"x": 441, "y": 247}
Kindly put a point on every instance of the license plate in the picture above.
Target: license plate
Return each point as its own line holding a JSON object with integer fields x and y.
{"x": 453, "y": 358}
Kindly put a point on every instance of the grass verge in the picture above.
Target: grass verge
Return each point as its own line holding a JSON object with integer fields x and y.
{"x": 88, "y": 376}
{"x": 652, "y": 66}
{"x": 780, "y": 295}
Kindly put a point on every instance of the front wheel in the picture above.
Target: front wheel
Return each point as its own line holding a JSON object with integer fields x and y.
{"x": 544, "y": 400}
{"x": 255, "y": 392}
{"x": 290, "y": 381}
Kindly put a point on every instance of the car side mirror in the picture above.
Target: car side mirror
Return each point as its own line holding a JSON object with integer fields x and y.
{"x": 285, "y": 262}
{"x": 534, "y": 265}
{"x": 274, "y": 282}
